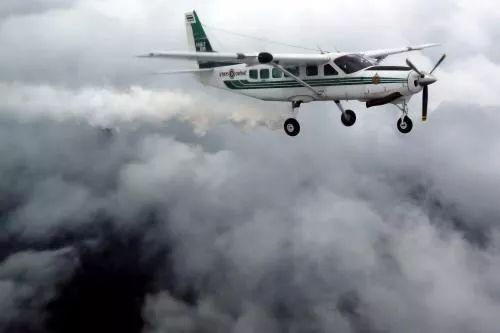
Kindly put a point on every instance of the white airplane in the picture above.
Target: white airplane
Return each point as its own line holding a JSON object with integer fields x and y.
{"x": 304, "y": 78}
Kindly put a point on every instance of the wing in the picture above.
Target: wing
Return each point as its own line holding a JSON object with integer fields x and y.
{"x": 244, "y": 58}
{"x": 382, "y": 54}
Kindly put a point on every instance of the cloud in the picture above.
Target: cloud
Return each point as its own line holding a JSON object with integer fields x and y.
{"x": 12, "y": 8}
{"x": 71, "y": 52}
{"x": 178, "y": 220}
{"x": 474, "y": 77}
{"x": 342, "y": 241}
{"x": 165, "y": 313}
{"x": 106, "y": 107}
{"x": 28, "y": 282}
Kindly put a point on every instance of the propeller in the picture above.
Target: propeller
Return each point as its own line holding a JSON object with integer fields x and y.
{"x": 439, "y": 63}
{"x": 412, "y": 66}
{"x": 425, "y": 80}
{"x": 425, "y": 102}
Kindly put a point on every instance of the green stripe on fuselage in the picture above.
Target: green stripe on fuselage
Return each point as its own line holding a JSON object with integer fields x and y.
{"x": 245, "y": 84}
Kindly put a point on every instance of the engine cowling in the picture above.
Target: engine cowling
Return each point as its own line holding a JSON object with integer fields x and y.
{"x": 413, "y": 85}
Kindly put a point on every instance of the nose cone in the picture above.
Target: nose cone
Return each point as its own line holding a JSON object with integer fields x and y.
{"x": 428, "y": 79}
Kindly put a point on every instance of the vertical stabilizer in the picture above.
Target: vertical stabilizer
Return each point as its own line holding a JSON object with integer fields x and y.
{"x": 198, "y": 40}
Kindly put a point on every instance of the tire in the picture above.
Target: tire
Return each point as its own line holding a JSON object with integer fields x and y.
{"x": 292, "y": 127}
{"x": 405, "y": 126}
{"x": 348, "y": 118}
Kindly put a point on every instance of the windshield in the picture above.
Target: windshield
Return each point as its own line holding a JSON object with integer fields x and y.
{"x": 352, "y": 63}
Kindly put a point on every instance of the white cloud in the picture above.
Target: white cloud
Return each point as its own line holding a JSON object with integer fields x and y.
{"x": 471, "y": 80}
{"x": 107, "y": 107}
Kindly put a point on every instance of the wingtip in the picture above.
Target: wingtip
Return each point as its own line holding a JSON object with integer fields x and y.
{"x": 149, "y": 55}
{"x": 434, "y": 44}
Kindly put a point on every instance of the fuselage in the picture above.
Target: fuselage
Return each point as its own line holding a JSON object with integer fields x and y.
{"x": 342, "y": 78}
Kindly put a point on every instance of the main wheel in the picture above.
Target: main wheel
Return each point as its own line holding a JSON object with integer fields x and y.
{"x": 405, "y": 125}
{"x": 292, "y": 127}
{"x": 348, "y": 118}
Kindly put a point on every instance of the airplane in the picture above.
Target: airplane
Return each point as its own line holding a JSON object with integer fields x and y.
{"x": 304, "y": 78}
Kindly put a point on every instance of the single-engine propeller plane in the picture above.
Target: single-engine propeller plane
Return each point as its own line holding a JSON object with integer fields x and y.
{"x": 304, "y": 78}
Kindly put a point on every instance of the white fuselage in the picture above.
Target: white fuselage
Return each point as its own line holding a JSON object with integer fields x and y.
{"x": 366, "y": 84}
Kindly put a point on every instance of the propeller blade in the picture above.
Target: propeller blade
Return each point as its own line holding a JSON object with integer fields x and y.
{"x": 439, "y": 63}
{"x": 425, "y": 103}
{"x": 409, "y": 63}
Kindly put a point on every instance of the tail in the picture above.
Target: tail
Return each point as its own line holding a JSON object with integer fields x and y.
{"x": 198, "y": 40}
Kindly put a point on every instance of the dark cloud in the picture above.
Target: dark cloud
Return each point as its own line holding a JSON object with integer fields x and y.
{"x": 107, "y": 290}
{"x": 28, "y": 280}
{"x": 185, "y": 238}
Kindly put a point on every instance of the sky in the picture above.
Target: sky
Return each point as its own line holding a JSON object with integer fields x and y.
{"x": 196, "y": 213}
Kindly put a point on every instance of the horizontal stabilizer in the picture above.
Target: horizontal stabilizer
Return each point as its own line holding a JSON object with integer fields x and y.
{"x": 184, "y": 71}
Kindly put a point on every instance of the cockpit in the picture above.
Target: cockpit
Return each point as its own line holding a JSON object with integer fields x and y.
{"x": 352, "y": 63}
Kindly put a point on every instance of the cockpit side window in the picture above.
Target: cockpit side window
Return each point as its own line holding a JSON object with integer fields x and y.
{"x": 352, "y": 63}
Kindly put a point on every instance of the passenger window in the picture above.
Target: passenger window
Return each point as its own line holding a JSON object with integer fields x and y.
{"x": 312, "y": 70}
{"x": 253, "y": 74}
{"x": 294, "y": 70}
{"x": 264, "y": 74}
{"x": 329, "y": 70}
{"x": 277, "y": 73}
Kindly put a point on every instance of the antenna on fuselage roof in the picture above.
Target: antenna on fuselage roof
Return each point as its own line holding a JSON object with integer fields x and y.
{"x": 325, "y": 52}
{"x": 261, "y": 39}
{"x": 321, "y": 50}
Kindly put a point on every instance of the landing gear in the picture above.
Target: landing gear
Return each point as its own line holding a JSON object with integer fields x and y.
{"x": 348, "y": 117}
{"x": 292, "y": 127}
{"x": 405, "y": 125}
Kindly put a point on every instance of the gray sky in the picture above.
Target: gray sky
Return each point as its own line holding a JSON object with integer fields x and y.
{"x": 237, "y": 227}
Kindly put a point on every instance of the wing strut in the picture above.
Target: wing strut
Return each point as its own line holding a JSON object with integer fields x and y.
{"x": 303, "y": 83}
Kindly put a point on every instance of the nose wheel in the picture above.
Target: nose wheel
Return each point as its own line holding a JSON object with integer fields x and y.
{"x": 405, "y": 125}
{"x": 292, "y": 127}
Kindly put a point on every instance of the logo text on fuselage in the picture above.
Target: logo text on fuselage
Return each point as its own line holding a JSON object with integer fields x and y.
{"x": 233, "y": 73}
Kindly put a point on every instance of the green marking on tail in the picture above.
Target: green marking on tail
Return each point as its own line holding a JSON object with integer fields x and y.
{"x": 199, "y": 41}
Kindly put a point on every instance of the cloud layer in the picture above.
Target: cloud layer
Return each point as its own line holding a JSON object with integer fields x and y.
{"x": 130, "y": 203}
